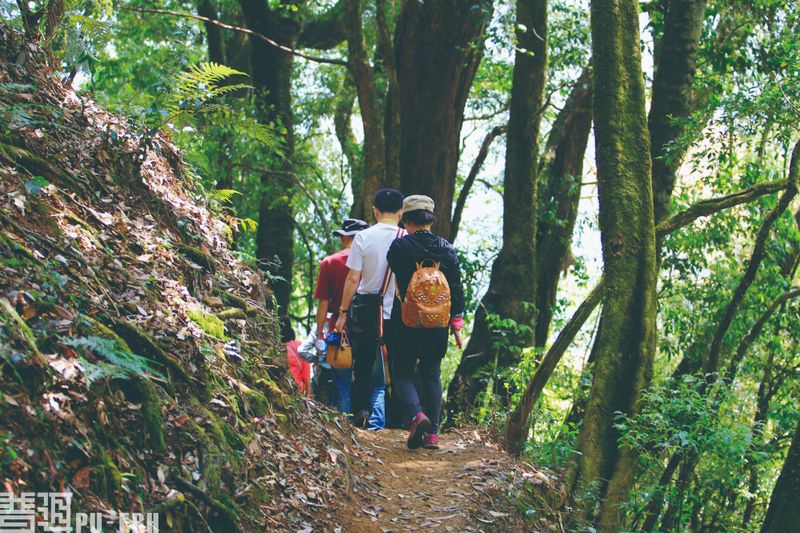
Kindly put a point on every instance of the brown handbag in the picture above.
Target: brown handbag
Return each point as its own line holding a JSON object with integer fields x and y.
{"x": 341, "y": 356}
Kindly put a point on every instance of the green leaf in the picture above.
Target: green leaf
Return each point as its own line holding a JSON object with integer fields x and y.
{"x": 35, "y": 185}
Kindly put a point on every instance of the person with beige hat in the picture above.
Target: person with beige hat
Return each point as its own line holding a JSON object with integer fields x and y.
{"x": 423, "y": 338}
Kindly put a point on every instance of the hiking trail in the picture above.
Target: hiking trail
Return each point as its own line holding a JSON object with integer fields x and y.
{"x": 468, "y": 484}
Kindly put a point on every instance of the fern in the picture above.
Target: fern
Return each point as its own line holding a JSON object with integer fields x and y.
{"x": 201, "y": 84}
{"x": 246, "y": 127}
{"x": 119, "y": 362}
{"x": 247, "y": 224}
{"x": 222, "y": 196}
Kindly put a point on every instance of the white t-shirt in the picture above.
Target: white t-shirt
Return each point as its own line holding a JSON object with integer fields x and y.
{"x": 368, "y": 256}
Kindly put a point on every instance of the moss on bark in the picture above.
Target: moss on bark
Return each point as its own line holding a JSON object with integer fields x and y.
{"x": 141, "y": 390}
{"x": 8, "y": 311}
{"x": 142, "y": 343}
{"x": 602, "y": 472}
{"x": 198, "y": 256}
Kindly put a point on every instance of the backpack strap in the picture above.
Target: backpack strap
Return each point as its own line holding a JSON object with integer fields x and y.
{"x": 382, "y": 351}
{"x": 388, "y": 275}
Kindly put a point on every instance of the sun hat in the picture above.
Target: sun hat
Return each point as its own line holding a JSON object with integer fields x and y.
{"x": 418, "y": 202}
{"x": 351, "y": 226}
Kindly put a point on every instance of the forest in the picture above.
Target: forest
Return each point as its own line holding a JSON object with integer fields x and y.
{"x": 619, "y": 179}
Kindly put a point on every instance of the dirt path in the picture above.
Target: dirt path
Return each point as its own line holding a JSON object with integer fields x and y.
{"x": 469, "y": 484}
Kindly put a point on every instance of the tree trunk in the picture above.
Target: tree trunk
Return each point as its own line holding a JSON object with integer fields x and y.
{"x": 765, "y": 391}
{"x": 783, "y": 513}
{"x": 512, "y": 287}
{"x": 517, "y": 423}
{"x": 342, "y": 115}
{"x": 602, "y": 472}
{"x": 272, "y": 79}
{"x": 391, "y": 115}
{"x": 438, "y": 46}
{"x": 374, "y": 150}
{"x": 461, "y": 202}
{"x": 214, "y": 38}
{"x": 673, "y": 515}
{"x": 653, "y": 509}
{"x": 271, "y": 74}
{"x": 675, "y": 57}
{"x": 561, "y": 175}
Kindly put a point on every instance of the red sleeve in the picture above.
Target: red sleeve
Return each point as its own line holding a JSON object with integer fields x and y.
{"x": 322, "y": 292}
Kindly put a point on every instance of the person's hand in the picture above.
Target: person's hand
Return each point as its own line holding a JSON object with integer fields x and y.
{"x": 456, "y": 324}
{"x": 457, "y": 336}
{"x": 340, "y": 323}
{"x": 320, "y": 337}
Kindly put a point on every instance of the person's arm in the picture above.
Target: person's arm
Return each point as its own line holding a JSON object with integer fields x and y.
{"x": 350, "y": 287}
{"x": 322, "y": 293}
{"x": 322, "y": 315}
{"x": 355, "y": 262}
{"x": 453, "y": 276}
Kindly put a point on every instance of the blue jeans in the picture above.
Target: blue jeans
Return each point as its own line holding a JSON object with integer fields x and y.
{"x": 343, "y": 378}
{"x": 377, "y": 417}
{"x": 377, "y": 400}
{"x": 428, "y": 346}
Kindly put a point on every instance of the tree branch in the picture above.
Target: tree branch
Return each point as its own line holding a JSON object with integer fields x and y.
{"x": 705, "y": 208}
{"x": 473, "y": 173}
{"x": 755, "y": 330}
{"x": 757, "y": 256}
{"x": 518, "y": 420}
{"x": 324, "y": 31}
{"x": 261, "y": 36}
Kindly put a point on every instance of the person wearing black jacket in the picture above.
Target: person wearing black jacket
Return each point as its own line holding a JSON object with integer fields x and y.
{"x": 426, "y": 345}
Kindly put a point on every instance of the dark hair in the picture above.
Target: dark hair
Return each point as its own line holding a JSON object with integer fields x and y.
{"x": 388, "y": 201}
{"x": 287, "y": 331}
{"x": 420, "y": 217}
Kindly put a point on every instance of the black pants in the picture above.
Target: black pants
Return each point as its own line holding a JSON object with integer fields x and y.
{"x": 324, "y": 388}
{"x": 428, "y": 346}
{"x": 365, "y": 352}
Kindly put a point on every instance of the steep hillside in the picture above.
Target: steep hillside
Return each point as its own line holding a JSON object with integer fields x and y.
{"x": 139, "y": 363}
{"x": 140, "y": 368}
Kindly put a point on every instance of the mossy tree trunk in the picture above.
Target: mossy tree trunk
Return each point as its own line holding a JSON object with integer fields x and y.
{"x": 675, "y": 56}
{"x": 561, "y": 178}
{"x": 601, "y": 473}
{"x": 783, "y": 513}
{"x": 438, "y": 46}
{"x": 512, "y": 287}
{"x": 671, "y": 100}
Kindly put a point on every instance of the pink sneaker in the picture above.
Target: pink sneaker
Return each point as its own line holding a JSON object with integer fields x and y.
{"x": 420, "y": 424}
{"x": 431, "y": 441}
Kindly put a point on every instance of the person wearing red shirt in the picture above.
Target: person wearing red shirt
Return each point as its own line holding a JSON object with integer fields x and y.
{"x": 330, "y": 286}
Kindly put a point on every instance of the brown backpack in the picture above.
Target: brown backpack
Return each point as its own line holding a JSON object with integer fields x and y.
{"x": 427, "y": 301}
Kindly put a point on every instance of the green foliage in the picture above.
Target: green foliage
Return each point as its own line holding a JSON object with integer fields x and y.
{"x": 154, "y": 69}
{"x": 118, "y": 362}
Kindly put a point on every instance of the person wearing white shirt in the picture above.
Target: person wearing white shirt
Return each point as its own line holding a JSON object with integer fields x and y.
{"x": 368, "y": 269}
